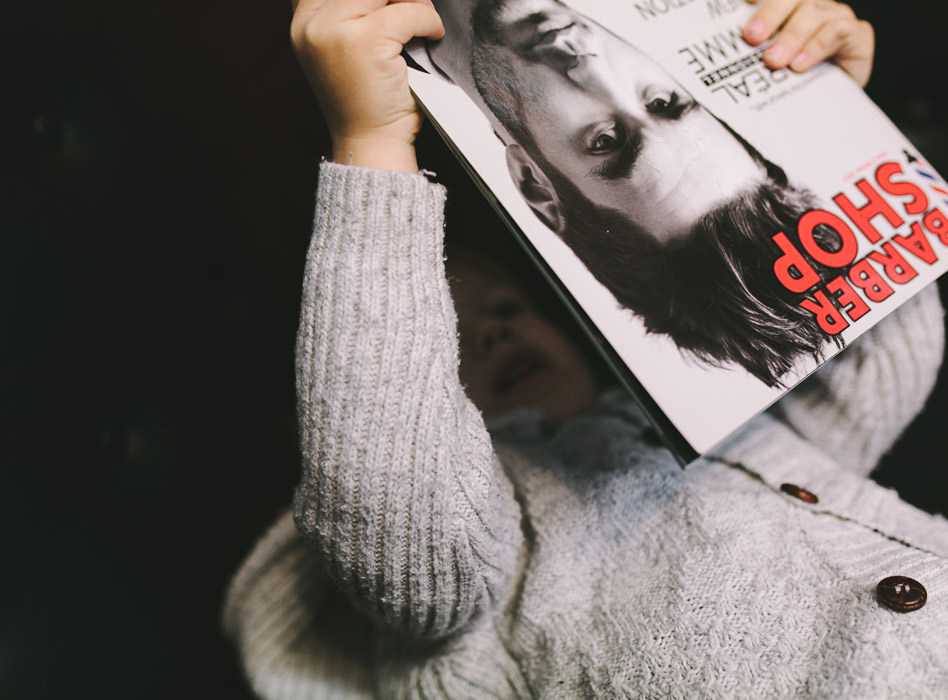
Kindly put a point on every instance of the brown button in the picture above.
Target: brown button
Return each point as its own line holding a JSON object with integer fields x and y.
{"x": 901, "y": 593}
{"x": 797, "y": 492}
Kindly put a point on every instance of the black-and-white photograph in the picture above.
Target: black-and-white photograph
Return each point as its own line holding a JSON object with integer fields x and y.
{"x": 661, "y": 199}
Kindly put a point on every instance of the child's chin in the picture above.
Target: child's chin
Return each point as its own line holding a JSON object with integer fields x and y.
{"x": 532, "y": 388}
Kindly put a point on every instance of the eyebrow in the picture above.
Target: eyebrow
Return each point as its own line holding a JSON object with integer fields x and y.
{"x": 531, "y": 20}
{"x": 619, "y": 165}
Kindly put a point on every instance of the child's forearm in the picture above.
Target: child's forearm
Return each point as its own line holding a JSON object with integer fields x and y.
{"x": 400, "y": 491}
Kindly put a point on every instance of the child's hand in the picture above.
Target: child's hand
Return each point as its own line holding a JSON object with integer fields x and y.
{"x": 350, "y": 51}
{"x": 812, "y": 31}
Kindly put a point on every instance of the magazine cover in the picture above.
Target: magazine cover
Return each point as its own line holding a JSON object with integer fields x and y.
{"x": 720, "y": 228}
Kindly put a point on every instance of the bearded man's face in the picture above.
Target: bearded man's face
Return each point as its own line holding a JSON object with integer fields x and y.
{"x": 607, "y": 118}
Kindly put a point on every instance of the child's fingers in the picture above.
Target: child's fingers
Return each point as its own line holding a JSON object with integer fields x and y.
{"x": 403, "y": 20}
{"x": 350, "y": 51}
{"x": 770, "y": 15}
{"x": 850, "y": 43}
{"x": 829, "y": 20}
{"x": 307, "y": 6}
{"x": 337, "y": 22}
{"x": 322, "y": 15}
{"x": 304, "y": 12}
{"x": 332, "y": 12}
{"x": 811, "y": 31}
{"x": 341, "y": 10}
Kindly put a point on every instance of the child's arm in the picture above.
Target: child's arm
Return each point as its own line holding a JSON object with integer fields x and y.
{"x": 856, "y": 406}
{"x": 400, "y": 492}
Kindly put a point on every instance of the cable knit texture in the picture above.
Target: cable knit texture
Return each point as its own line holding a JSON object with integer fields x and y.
{"x": 431, "y": 558}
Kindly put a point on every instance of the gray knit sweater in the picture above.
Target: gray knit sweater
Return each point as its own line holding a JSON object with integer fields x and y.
{"x": 430, "y": 558}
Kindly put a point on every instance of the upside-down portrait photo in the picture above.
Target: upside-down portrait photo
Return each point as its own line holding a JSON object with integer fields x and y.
{"x": 692, "y": 228}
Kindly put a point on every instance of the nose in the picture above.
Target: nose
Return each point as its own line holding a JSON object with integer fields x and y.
{"x": 617, "y": 93}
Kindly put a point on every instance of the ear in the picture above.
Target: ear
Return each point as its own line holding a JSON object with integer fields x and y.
{"x": 535, "y": 187}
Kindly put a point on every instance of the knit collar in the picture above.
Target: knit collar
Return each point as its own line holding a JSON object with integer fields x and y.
{"x": 533, "y": 424}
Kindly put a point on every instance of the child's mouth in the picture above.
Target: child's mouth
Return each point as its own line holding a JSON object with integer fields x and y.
{"x": 519, "y": 370}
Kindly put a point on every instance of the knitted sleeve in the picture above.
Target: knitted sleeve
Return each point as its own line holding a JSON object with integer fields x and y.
{"x": 296, "y": 638}
{"x": 857, "y": 405}
{"x": 400, "y": 492}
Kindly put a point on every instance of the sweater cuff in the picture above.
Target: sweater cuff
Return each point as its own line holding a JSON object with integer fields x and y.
{"x": 357, "y": 189}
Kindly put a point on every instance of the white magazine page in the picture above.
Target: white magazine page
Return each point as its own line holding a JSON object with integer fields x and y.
{"x": 642, "y": 118}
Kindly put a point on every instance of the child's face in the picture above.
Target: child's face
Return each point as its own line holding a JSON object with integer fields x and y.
{"x": 511, "y": 357}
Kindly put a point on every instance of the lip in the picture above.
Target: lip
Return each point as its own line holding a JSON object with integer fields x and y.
{"x": 517, "y": 369}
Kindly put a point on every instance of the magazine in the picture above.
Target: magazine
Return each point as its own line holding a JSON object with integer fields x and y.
{"x": 720, "y": 229}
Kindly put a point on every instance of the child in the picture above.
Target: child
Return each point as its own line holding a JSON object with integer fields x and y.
{"x": 565, "y": 553}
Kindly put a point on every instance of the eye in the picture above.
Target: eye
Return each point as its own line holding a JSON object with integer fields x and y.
{"x": 506, "y": 308}
{"x": 604, "y": 138}
{"x": 662, "y": 102}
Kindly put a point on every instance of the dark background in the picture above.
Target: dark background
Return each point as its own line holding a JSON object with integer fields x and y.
{"x": 159, "y": 163}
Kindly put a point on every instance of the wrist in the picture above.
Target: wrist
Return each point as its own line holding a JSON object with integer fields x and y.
{"x": 377, "y": 153}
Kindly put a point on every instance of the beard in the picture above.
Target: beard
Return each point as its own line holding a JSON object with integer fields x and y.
{"x": 714, "y": 292}
{"x": 725, "y": 303}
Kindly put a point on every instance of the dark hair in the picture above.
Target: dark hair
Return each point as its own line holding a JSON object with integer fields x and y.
{"x": 714, "y": 293}
{"x": 495, "y": 76}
